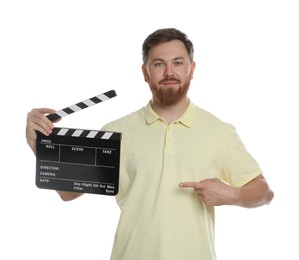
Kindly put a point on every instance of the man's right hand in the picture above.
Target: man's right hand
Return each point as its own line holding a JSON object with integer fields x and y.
{"x": 37, "y": 121}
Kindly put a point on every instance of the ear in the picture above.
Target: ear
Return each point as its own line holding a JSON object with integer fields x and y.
{"x": 145, "y": 74}
{"x": 193, "y": 65}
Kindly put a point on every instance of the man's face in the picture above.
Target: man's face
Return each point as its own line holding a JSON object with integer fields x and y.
{"x": 168, "y": 72}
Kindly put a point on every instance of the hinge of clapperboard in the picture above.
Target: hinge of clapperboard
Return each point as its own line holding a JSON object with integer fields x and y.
{"x": 77, "y": 107}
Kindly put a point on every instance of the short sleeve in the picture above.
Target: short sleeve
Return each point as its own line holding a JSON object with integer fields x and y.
{"x": 239, "y": 167}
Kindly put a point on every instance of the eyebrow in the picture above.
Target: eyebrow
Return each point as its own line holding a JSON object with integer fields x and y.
{"x": 176, "y": 58}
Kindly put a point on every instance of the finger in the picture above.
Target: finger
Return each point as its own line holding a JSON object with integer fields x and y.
{"x": 41, "y": 124}
{"x": 45, "y": 113}
{"x": 36, "y": 120}
{"x": 189, "y": 185}
{"x": 46, "y": 110}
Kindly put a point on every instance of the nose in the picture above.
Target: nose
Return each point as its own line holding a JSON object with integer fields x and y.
{"x": 168, "y": 71}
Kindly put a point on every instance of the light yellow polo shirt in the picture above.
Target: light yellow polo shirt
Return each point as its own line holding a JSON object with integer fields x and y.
{"x": 159, "y": 220}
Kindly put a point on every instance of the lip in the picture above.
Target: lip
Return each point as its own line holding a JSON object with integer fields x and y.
{"x": 169, "y": 83}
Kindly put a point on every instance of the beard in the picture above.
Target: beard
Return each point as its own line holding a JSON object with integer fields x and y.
{"x": 168, "y": 96}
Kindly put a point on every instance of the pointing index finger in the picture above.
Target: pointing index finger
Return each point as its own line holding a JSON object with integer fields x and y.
{"x": 188, "y": 184}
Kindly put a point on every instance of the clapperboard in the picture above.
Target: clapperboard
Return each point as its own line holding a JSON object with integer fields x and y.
{"x": 79, "y": 160}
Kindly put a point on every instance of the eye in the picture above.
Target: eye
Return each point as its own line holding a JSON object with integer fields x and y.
{"x": 178, "y": 63}
{"x": 158, "y": 64}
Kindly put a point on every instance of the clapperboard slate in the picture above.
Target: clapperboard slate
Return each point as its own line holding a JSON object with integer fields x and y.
{"x": 79, "y": 160}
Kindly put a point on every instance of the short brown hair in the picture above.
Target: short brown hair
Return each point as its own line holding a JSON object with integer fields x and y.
{"x": 165, "y": 35}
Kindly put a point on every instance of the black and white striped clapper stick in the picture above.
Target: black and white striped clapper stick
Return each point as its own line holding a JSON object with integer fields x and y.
{"x": 81, "y": 105}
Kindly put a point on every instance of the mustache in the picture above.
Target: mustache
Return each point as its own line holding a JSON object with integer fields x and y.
{"x": 167, "y": 79}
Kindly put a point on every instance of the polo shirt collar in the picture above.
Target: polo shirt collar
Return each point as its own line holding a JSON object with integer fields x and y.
{"x": 186, "y": 119}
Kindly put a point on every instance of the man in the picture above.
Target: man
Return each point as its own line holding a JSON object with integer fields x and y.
{"x": 177, "y": 162}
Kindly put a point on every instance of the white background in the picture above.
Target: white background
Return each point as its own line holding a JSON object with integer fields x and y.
{"x": 57, "y": 53}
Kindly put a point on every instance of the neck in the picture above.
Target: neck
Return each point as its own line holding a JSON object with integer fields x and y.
{"x": 170, "y": 113}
